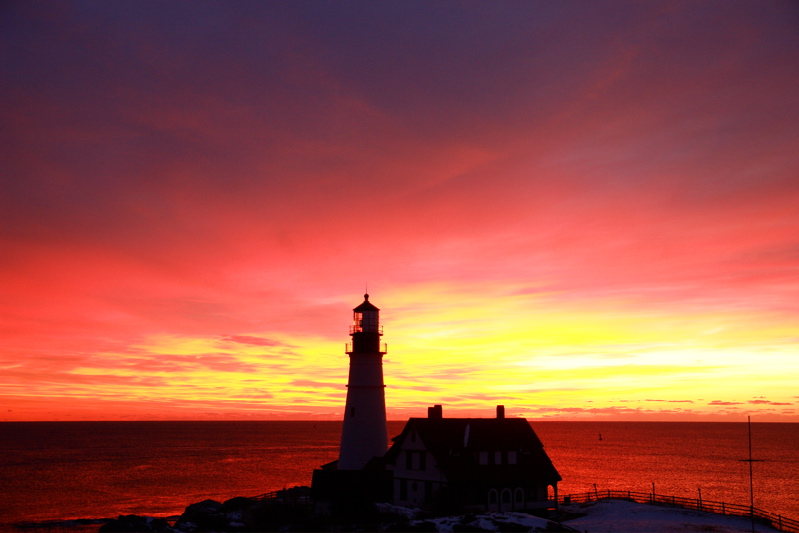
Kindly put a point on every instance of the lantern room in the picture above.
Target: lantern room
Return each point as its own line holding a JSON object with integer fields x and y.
{"x": 365, "y": 318}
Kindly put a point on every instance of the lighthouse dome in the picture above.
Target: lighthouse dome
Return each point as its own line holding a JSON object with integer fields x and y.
{"x": 366, "y": 305}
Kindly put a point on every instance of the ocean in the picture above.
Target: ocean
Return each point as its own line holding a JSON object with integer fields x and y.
{"x": 67, "y": 470}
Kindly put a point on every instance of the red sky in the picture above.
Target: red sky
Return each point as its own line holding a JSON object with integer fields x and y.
{"x": 578, "y": 210}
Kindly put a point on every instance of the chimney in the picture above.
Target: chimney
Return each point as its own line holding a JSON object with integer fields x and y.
{"x": 500, "y": 411}
{"x": 434, "y": 412}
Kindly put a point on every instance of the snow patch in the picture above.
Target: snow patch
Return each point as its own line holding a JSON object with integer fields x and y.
{"x": 490, "y": 522}
{"x": 621, "y": 516}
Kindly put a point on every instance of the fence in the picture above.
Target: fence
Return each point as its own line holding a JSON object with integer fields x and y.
{"x": 777, "y": 521}
{"x": 294, "y": 495}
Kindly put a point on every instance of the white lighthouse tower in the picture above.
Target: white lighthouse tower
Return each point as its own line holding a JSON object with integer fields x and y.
{"x": 364, "y": 434}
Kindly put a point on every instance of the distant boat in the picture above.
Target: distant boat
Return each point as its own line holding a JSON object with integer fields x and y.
{"x": 600, "y": 436}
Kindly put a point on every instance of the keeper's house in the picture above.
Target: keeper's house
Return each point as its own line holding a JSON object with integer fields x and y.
{"x": 488, "y": 464}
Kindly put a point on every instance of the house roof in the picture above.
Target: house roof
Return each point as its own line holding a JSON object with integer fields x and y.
{"x": 456, "y": 443}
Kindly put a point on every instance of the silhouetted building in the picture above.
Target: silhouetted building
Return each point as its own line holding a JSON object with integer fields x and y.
{"x": 359, "y": 477}
{"x": 364, "y": 433}
{"x": 489, "y": 464}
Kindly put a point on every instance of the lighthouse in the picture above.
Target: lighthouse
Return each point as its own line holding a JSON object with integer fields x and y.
{"x": 364, "y": 433}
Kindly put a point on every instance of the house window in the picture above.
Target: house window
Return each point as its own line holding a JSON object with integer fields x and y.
{"x": 483, "y": 458}
{"x": 497, "y": 458}
{"x": 403, "y": 486}
{"x": 512, "y": 457}
{"x": 492, "y": 496}
{"x": 415, "y": 460}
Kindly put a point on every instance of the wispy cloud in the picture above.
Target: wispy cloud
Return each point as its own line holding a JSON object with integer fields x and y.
{"x": 550, "y": 214}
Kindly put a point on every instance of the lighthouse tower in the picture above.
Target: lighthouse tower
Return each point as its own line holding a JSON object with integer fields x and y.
{"x": 364, "y": 434}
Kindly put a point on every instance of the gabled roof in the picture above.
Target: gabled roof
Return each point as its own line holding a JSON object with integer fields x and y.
{"x": 458, "y": 455}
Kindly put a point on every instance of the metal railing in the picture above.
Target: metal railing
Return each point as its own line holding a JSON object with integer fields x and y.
{"x": 382, "y": 347}
{"x": 777, "y": 521}
{"x": 360, "y": 329}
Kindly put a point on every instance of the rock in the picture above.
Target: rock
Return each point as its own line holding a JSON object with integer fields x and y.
{"x": 207, "y": 515}
{"x": 134, "y": 523}
{"x": 239, "y": 503}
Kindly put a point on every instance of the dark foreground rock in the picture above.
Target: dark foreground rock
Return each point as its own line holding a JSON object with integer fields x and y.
{"x": 291, "y": 510}
{"x": 135, "y": 523}
{"x": 287, "y": 510}
{"x": 207, "y": 515}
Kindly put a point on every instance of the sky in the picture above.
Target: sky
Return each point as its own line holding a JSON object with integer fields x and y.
{"x": 579, "y": 210}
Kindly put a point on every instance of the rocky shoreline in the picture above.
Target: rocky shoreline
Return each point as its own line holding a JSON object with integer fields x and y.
{"x": 291, "y": 510}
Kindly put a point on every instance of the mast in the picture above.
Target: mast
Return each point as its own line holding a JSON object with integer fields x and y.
{"x": 751, "y": 474}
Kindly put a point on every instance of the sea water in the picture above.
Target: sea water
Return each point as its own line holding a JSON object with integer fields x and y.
{"x": 64, "y": 470}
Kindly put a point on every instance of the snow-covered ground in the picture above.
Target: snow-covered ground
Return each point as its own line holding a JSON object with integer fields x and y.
{"x": 619, "y": 516}
{"x": 605, "y": 516}
{"x": 491, "y": 522}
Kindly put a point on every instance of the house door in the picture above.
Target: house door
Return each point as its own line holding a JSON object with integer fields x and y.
{"x": 518, "y": 500}
{"x": 506, "y": 501}
{"x": 493, "y": 501}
